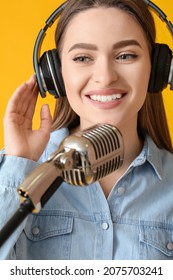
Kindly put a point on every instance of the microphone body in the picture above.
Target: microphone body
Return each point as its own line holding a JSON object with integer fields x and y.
{"x": 98, "y": 152}
{"x": 81, "y": 159}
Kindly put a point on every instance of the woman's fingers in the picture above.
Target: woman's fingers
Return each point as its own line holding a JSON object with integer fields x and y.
{"x": 46, "y": 119}
{"x": 28, "y": 98}
{"x": 21, "y": 97}
{"x": 20, "y": 138}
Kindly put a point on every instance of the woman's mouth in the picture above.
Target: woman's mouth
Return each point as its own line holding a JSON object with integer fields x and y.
{"x": 106, "y": 98}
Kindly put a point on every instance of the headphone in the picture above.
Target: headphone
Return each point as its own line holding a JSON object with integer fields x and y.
{"x": 48, "y": 67}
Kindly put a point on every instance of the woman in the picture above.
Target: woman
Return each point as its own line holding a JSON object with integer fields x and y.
{"x": 106, "y": 67}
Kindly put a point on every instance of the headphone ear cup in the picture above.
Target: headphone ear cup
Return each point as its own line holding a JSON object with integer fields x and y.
{"x": 50, "y": 72}
{"x": 161, "y": 66}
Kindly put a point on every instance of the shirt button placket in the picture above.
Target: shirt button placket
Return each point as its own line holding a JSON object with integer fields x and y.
{"x": 121, "y": 190}
{"x": 105, "y": 226}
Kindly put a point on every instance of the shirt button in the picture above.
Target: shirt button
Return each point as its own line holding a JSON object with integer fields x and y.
{"x": 170, "y": 246}
{"x": 121, "y": 190}
{"x": 35, "y": 230}
{"x": 105, "y": 226}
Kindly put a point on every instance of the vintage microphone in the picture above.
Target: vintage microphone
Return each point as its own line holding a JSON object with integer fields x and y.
{"x": 81, "y": 159}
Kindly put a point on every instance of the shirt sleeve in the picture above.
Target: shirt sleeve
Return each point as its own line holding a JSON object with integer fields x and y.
{"x": 13, "y": 171}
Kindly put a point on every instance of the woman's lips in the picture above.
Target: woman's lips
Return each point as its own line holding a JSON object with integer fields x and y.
{"x": 106, "y": 96}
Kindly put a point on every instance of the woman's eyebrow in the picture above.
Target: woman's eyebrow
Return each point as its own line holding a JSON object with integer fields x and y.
{"x": 86, "y": 46}
{"x": 126, "y": 43}
{"x": 117, "y": 45}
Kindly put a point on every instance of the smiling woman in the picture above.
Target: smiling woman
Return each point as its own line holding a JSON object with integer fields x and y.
{"x": 106, "y": 69}
{"x": 120, "y": 53}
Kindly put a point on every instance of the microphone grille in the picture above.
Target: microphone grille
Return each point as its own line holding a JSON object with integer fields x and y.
{"x": 108, "y": 145}
{"x": 103, "y": 156}
{"x": 105, "y": 139}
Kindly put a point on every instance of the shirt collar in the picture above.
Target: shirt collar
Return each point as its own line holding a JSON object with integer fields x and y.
{"x": 152, "y": 154}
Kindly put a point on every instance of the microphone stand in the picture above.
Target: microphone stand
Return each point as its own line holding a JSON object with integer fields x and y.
{"x": 24, "y": 210}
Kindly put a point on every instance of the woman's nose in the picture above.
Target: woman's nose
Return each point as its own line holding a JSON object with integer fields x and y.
{"x": 105, "y": 72}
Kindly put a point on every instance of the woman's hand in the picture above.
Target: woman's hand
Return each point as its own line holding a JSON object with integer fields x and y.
{"x": 20, "y": 139}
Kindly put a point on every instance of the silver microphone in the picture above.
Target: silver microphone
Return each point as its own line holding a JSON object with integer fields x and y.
{"x": 98, "y": 152}
{"x": 81, "y": 159}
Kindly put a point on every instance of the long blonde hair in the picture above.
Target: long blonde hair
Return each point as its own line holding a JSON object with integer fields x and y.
{"x": 152, "y": 117}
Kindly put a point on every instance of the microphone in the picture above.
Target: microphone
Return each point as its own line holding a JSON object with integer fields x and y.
{"x": 98, "y": 152}
{"x": 81, "y": 159}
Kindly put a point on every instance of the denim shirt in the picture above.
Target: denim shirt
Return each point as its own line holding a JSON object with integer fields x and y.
{"x": 134, "y": 222}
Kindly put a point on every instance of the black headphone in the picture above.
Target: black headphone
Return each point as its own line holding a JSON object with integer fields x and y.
{"x": 48, "y": 68}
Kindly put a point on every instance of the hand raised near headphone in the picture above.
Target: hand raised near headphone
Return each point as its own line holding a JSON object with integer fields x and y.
{"x": 20, "y": 139}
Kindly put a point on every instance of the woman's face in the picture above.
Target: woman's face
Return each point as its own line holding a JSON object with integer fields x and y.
{"x": 105, "y": 67}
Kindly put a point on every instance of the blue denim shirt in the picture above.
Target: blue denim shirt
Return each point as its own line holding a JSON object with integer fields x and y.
{"x": 134, "y": 222}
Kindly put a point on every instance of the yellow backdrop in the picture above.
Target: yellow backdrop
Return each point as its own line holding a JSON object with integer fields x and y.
{"x": 20, "y": 22}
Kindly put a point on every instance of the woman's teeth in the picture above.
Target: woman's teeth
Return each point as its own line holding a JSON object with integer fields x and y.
{"x": 106, "y": 98}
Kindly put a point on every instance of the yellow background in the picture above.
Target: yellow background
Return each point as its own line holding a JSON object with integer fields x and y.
{"x": 20, "y": 22}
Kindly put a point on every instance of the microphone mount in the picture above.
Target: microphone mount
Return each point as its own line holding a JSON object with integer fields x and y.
{"x": 36, "y": 185}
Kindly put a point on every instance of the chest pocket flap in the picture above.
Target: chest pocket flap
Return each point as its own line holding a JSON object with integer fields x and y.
{"x": 42, "y": 226}
{"x": 158, "y": 238}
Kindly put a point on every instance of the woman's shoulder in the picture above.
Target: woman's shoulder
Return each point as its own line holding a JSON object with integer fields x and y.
{"x": 153, "y": 148}
{"x": 56, "y": 137}
{"x": 161, "y": 159}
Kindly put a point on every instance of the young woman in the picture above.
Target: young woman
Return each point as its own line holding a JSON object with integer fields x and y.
{"x": 105, "y": 51}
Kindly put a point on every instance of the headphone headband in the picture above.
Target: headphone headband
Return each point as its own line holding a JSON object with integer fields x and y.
{"x": 51, "y": 54}
{"x": 160, "y": 14}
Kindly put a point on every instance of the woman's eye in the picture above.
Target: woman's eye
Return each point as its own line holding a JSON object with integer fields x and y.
{"x": 82, "y": 59}
{"x": 126, "y": 56}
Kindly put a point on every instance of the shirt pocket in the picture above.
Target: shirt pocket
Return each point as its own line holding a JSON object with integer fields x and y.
{"x": 47, "y": 236}
{"x": 156, "y": 242}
